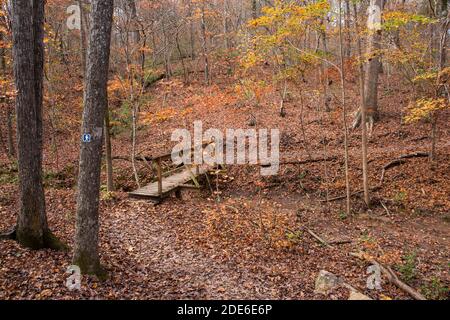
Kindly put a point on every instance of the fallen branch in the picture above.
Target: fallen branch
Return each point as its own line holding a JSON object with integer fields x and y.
{"x": 401, "y": 160}
{"x": 392, "y": 277}
{"x": 304, "y": 161}
{"x": 327, "y": 243}
{"x": 352, "y": 195}
{"x": 385, "y": 207}
{"x": 338, "y": 242}
{"x": 322, "y": 241}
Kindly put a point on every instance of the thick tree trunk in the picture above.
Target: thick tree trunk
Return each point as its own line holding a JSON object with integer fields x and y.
{"x": 373, "y": 67}
{"x": 28, "y": 50}
{"x": 30, "y": 225}
{"x": 86, "y": 254}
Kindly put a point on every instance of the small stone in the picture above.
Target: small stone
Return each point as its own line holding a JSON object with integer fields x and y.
{"x": 354, "y": 295}
{"x": 326, "y": 282}
{"x": 46, "y": 293}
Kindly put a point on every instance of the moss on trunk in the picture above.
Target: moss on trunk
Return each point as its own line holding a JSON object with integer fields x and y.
{"x": 52, "y": 242}
{"x": 90, "y": 266}
{"x": 29, "y": 239}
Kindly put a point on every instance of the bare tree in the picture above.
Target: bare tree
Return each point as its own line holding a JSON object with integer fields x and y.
{"x": 363, "y": 111}
{"x": 86, "y": 253}
{"x": 205, "y": 43}
{"x": 344, "y": 110}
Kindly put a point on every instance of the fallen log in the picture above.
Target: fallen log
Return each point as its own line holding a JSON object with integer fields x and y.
{"x": 298, "y": 162}
{"x": 391, "y": 276}
{"x": 402, "y": 160}
{"x": 386, "y": 270}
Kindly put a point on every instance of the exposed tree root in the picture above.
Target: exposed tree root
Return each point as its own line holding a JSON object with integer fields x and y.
{"x": 9, "y": 235}
{"x": 358, "y": 119}
{"x": 50, "y": 241}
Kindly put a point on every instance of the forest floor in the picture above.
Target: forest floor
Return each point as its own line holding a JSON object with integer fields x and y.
{"x": 250, "y": 240}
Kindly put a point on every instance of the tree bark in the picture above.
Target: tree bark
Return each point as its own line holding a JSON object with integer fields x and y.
{"x": 108, "y": 151}
{"x": 344, "y": 112}
{"x": 28, "y": 50}
{"x": 86, "y": 253}
{"x": 225, "y": 25}
{"x": 348, "y": 36}
{"x": 9, "y": 111}
{"x": 363, "y": 113}
{"x": 191, "y": 30}
{"x": 372, "y": 69}
{"x": 205, "y": 45}
{"x": 83, "y": 32}
{"x": 9, "y": 133}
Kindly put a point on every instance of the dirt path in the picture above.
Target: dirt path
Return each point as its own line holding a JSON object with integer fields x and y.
{"x": 150, "y": 246}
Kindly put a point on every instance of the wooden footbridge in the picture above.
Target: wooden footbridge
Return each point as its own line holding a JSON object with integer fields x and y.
{"x": 185, "y": 176}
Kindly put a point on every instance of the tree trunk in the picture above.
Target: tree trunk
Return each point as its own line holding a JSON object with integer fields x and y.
{"x": 28, "y": 50}
{"x": 225, "y": 25}
{"x": 132, "y": 11}
{"x": 205, "y": 45}
{"x": 108, "y": 151}
{"x": 9, "y": 111}
{"x": 9, "y": 133}
{"x": 440, "y": 89}
{"x": 135, "y": 34}
{"x": 254, "y": 9}
{"x": 348, "y": 36}
{"x": 363, "y": 112}
{"x": 83, "y": 32}
{"x": 373, "y": 67}
{"x": 344, "y": 112}
{"x": 191, "y": 30}
{"x": 86, "y": 254}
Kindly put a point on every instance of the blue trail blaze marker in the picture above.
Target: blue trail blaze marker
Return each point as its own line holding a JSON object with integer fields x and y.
{"x": 86, "y": 138}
